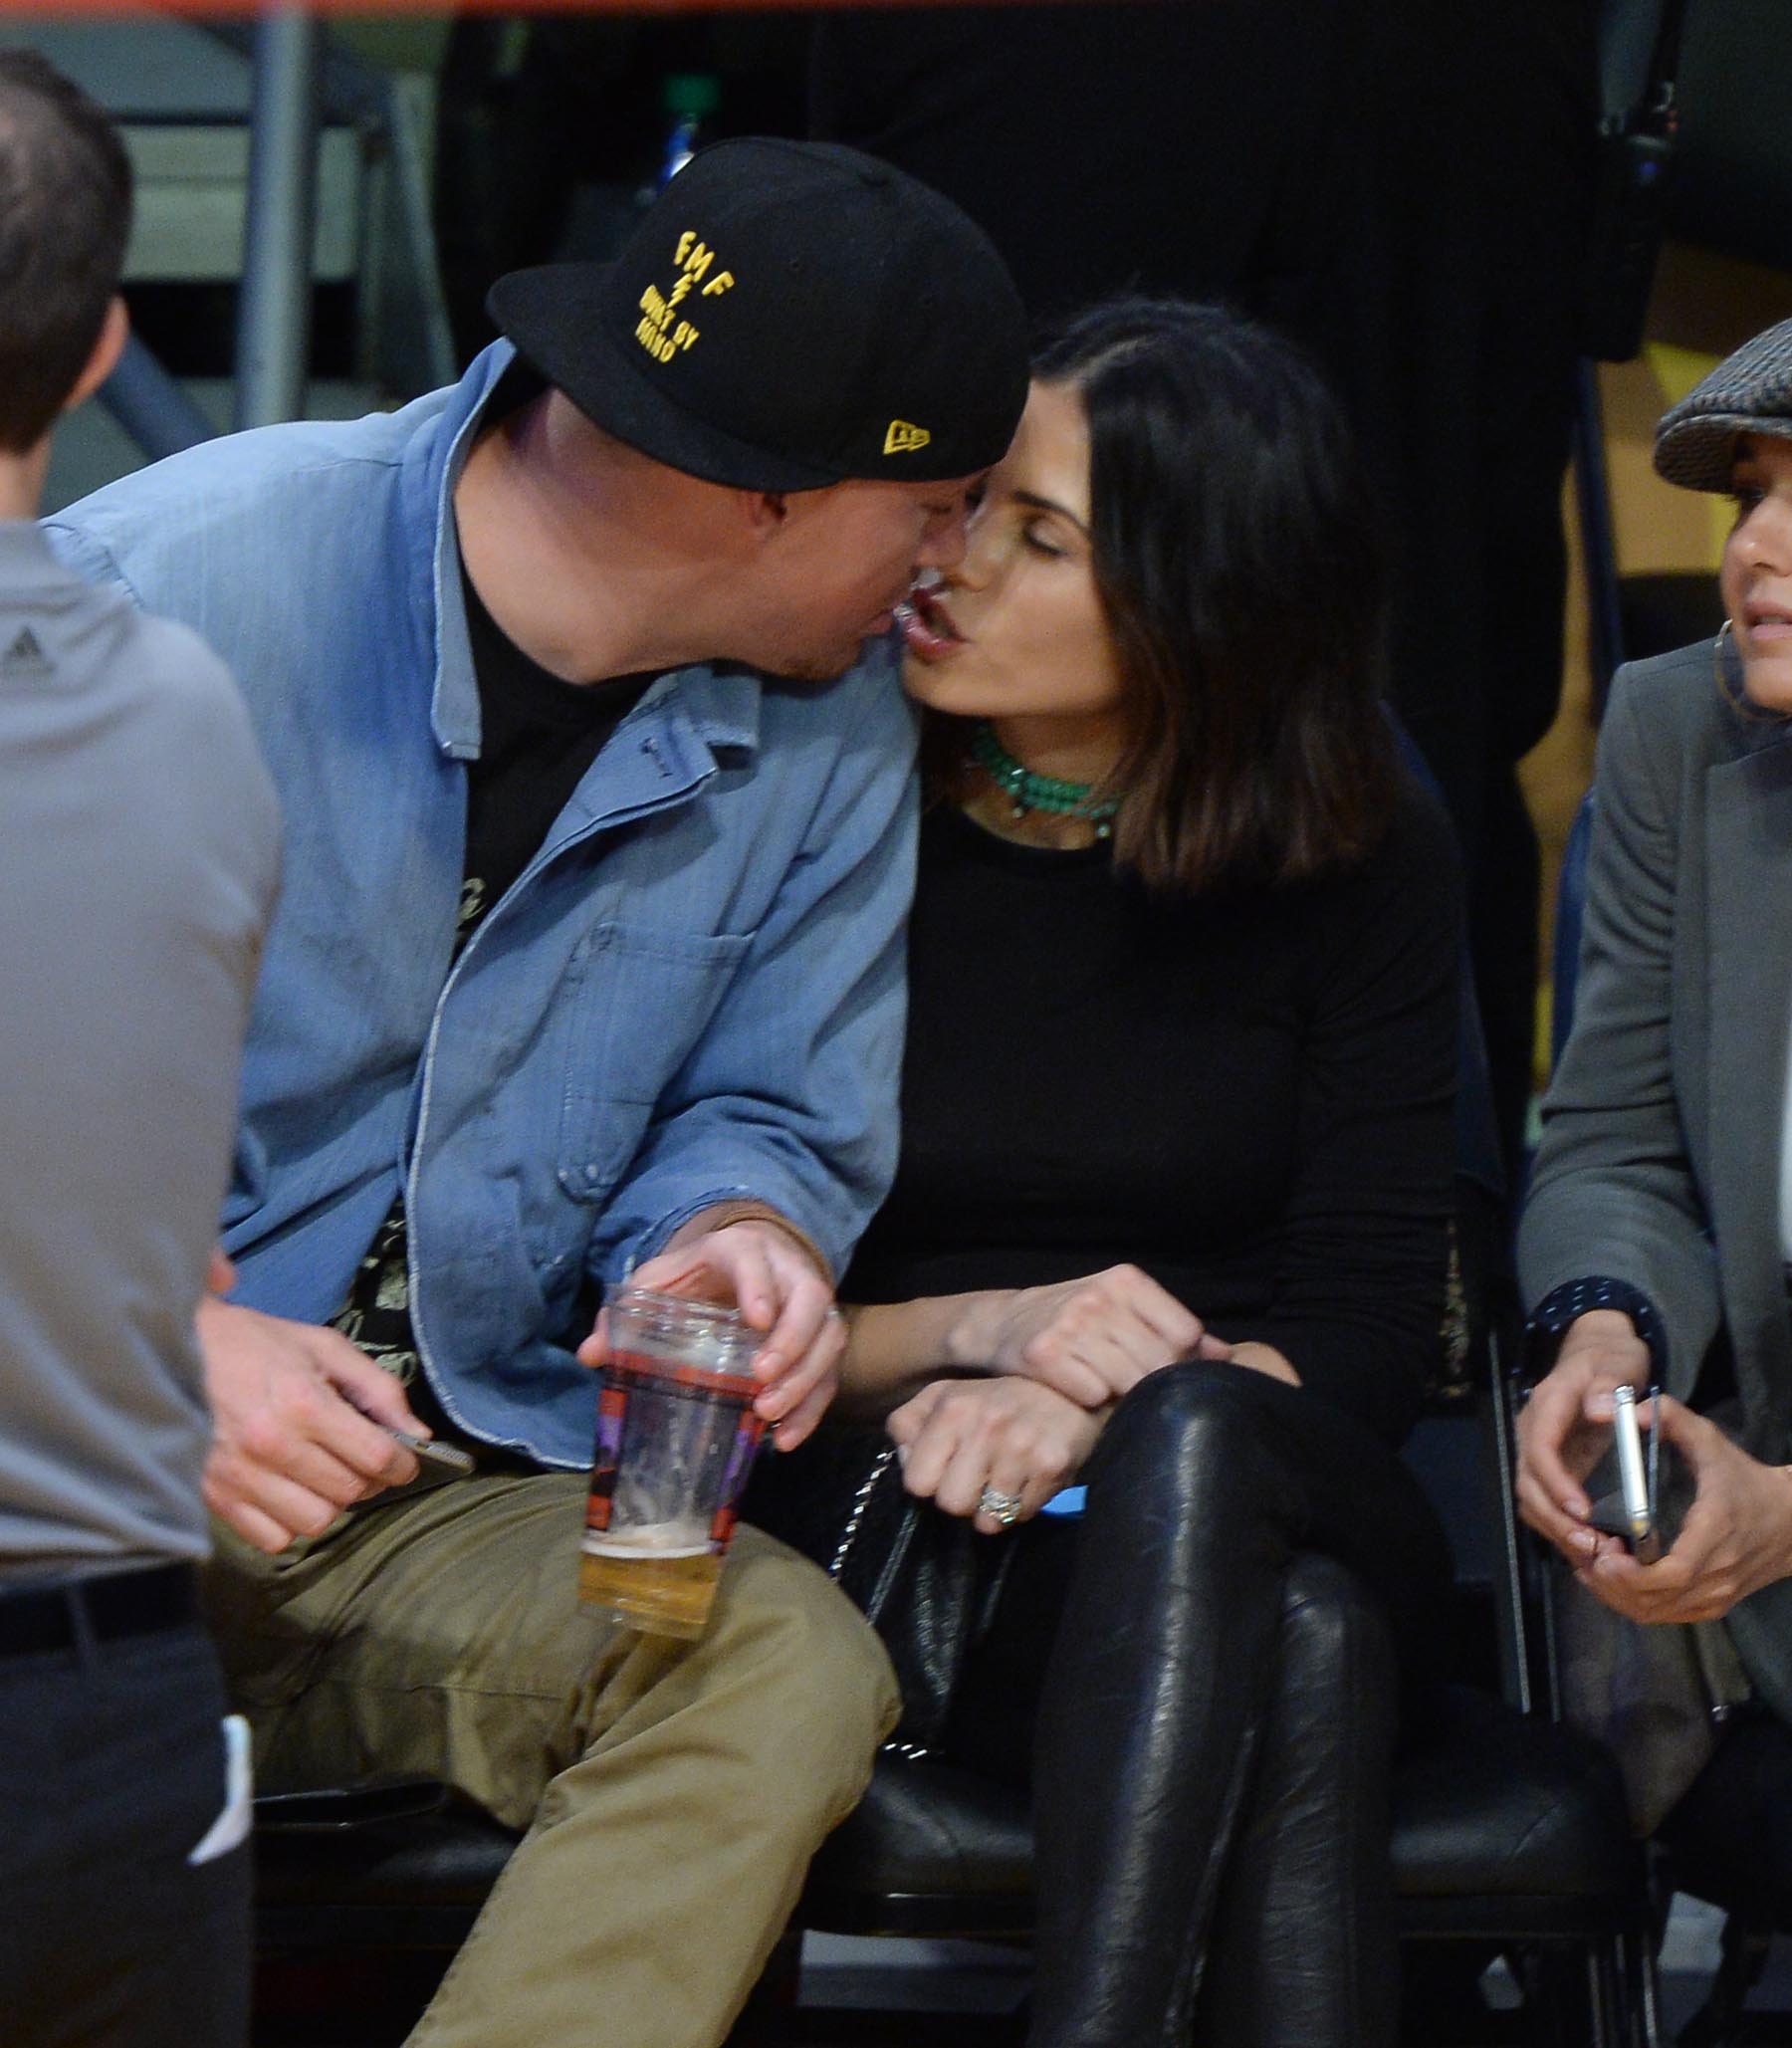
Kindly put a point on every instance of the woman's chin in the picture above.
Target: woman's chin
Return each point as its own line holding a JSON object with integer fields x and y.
{"x": 1767, "y": 682}
{"x": 924, "y": 682}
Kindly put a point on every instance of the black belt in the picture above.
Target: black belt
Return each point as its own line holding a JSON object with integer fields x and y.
{"x": 125, "y": 1603}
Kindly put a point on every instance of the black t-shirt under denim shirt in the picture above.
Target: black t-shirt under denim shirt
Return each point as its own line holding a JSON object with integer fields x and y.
{"x": 538, "y": 734}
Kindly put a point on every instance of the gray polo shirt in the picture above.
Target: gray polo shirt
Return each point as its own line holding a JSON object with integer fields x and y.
{"x": 138, "y": 864}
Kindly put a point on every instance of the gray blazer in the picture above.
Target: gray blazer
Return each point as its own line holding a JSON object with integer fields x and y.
{"x": 1661, "y": 1134}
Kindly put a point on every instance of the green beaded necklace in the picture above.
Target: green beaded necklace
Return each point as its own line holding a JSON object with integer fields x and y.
{"x": 1030, "y": 792}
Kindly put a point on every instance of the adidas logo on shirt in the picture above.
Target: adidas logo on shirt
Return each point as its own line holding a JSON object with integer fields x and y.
{"x": 25, "y": 657}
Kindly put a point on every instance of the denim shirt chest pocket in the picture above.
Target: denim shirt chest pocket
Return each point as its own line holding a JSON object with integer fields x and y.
{"x": 638, "y": 998}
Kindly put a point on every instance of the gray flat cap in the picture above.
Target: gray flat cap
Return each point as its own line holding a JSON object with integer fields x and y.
{"x": 1749, "y": 393}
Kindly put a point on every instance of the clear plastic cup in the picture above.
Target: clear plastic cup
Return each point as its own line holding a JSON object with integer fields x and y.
{"x": 676, "y": 1437}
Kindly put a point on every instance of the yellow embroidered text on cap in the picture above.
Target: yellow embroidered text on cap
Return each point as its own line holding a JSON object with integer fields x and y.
{"x": 904, "y": 439}
{"x": 655, "y": 332}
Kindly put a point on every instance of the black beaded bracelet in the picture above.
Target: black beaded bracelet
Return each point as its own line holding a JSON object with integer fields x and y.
{"x": 1566, "y": 1304}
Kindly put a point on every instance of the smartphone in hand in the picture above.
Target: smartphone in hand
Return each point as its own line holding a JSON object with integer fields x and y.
{"x": 444, "y": 1460}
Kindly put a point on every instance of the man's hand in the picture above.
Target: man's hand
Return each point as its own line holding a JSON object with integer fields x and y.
{"x": 958, "y": 1437}
{"x": 1090, "y": 1339}
{"x": 767, "y": 1273}
{"x": 292, "y": 1439}
{"x": 1737, "y": 1538}
{"x": 1565, "y": 1427}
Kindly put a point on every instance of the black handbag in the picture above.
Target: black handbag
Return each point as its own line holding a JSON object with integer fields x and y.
{"x": 927, "y": 1581}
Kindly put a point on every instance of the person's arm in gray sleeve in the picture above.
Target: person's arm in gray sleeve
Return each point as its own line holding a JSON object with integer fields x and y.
{"x": 1613, "y": 1192}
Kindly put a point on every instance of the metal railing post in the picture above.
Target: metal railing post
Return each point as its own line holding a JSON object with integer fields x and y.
{"x": 274, "y": 312}
{"x": 151, "y": 406}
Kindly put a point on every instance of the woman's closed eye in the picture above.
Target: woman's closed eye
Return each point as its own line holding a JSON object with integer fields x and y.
{"x": 1037, "y": 535}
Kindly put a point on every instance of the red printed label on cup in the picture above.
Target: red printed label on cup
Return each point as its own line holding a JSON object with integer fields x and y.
{"x": 627, "y": 1376}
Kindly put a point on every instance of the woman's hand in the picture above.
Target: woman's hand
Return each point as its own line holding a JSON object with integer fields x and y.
{"x": 958, "y": 1437}
{"x": 1090, "y": 1339}
{"x": 1737, "y": 1538}
{"x": 1565, "y": 1428}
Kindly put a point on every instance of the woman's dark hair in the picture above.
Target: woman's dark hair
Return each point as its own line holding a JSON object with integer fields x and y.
{"x": 64, "y": 216}
{"x": 1238, "y": 561}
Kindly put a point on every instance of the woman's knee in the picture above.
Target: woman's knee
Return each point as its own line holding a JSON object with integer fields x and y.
{"x": 1190, "y": 1422}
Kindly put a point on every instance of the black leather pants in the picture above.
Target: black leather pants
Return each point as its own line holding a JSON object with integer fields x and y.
{"x": 1215, "y": 1721}
{"x": 1302, "y": 1948}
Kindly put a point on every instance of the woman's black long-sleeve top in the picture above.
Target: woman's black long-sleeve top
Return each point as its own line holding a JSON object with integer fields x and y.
{"x": 1249, "y": 1097}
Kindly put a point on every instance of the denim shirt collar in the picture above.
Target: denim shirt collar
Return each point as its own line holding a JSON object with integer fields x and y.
{"x": 710, "y": 705}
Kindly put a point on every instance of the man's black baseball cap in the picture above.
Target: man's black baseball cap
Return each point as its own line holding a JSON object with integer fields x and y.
{"x": 785, "y": 316}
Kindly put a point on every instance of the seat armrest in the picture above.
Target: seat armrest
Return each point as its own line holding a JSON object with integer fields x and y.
{"x": 333, "y": 1809}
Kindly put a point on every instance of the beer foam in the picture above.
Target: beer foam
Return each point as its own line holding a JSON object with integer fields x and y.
{"x": 682, "y": 1538}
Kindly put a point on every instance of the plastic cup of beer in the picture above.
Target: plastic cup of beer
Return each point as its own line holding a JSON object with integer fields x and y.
{"x": 676, "y": 1437}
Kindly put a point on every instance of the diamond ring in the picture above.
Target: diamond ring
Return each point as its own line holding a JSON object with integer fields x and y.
{"x": 999, "y": 1507}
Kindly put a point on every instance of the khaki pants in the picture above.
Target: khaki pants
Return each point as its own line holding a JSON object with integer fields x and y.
{"x": 673, "y": 1792}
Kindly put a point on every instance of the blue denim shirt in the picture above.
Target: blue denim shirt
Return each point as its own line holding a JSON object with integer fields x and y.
{"x": 693, "y": 993}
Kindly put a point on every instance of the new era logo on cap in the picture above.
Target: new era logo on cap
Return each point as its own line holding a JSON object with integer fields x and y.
{"x": 25, "y": 655}
{"x": 904, "y": 439}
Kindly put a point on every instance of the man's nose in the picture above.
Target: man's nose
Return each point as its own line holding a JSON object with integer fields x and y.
{"x": 974, "y": 560}
{"x": 943, "y": 544}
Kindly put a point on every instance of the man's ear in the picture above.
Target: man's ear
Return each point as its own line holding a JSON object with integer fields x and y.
{"x": 114, "y": 330}
{"x": 766, "y": 511}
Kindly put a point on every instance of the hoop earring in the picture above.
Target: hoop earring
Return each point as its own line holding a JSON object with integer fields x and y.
{"x": 1741, "y": 703}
